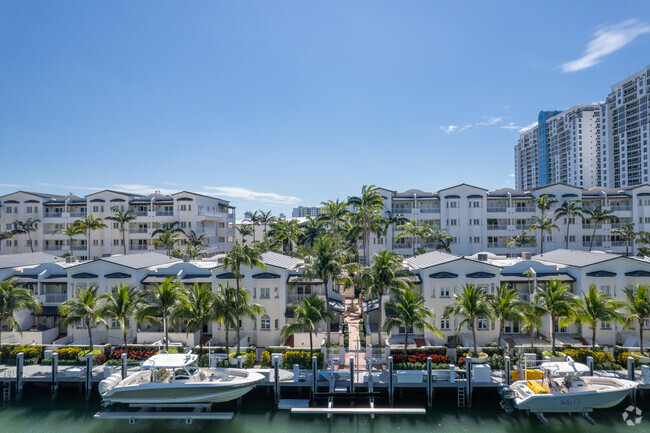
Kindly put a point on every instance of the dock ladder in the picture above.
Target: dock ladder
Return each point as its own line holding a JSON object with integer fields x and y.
{"x": 461, "y": 393}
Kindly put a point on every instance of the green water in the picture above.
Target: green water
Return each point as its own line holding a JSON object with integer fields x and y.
{"x": 255, "y": 414}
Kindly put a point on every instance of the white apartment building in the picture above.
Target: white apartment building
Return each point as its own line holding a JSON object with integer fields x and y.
{"x": 213, "y": 217}
{"x": 304, "y": 211}
{"x": 624, "y": 135}
{"x": 562, "y": 148}
{"x": 481, "y": 220}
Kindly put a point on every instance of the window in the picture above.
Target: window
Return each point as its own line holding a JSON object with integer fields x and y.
{"x": 451, "y": 222}
{"x": 605, "y": 290}
{"x": 29, "y": 209}
{"x": 265, "y": 293}
{"x": 9, "y": 210}
{"x": 452, "y": 204}
{"x": 277, "y": 323}
{"x": 444, "y": 324}
{"x": 183, "y": 207}
{"x": 482, "y": 323}
{"x": 605, "y": 325}
{"x": 95, "y": 208}
{"x": 116, "y": 242}
{"x": 116, "y": 225}
{"x": 277, "y": 294}
{"x": 265, "y": 323}
{"x": 115, "y": 323}
{"x": 444, "y": 292}
{"x": 475, "y": 203}
{"x": 183, "y": 224}
{"x": 95, "y": 242}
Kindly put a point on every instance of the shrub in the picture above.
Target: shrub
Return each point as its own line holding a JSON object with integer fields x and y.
{"x": 622, "y": 358}
{"x": 426, "y": 350}
{"x": 496, "y": 362}
{"x": 29, "y": 352}
{"x": 69, "y": 353}
{"x": 362, "y": 334}
{"x": 302, "y": 358}
{"x": 100, "y": 359}
{"x": 346, "y": 334}
{"x": 399, "y": 358}
{"x": 249, "y": 359}
{"x": 265, "y": 359}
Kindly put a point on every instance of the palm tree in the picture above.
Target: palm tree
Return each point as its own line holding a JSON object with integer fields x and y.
{"x": 123, "y": 219}
{"x": 239, "y": 256}
{"x": 394, "y": 220}
{"x": 597, "y": 307}
{"x": 505, "y": 306}
{"x": 556, "y": 300}
{"x": 255, "y": 221}
{"x": 327, "y": 265}
{"x": 411, "y": 228}
{"x": 26, "y": 228}
{"x": 87, "y": 307}
{"x": 335, "y": 215}
{"x": 532, "y": 318}
{"x": 265, "y": 219}
{"x": 569, "y": 210}
{"x": 308, "y": 313}
{"x": 311, "y": 230}
{"x": 197, "y": 309}
{"x": 245, "y": 230}
{"x": 439, "y": 236}
{"x": 88, "y": 224}
{"x": 469, "y": 305}
{"x": 367, "y": 214}
{"x": 196, "y": 240}
{"x": 168, "y": 234}
{"x": 627, "y": 232}
{"x": 71, "y": 231}
{"x": 520, "y": 241}
{"x": 225, "y": 310}
{"x": 383, "y": 278}
{"x": 599, "y": 216}
{"x": 410, "y": 312}
{"x": 285, "y": 232}
{"x": 163, "y": 300}
{"x": 545, "y": 225}
{"x": 13, "y": 299}
{"x": 244, "y": 308}
{"x": 122, "y": 304}
{"x": 544, "y": 202}
{"x": 637, "y": 306}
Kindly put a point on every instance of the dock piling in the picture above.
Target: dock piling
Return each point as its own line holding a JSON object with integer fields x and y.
{"x": 468, "y": 367}
{"x": 276, "y": 378}
{"x": 352, "y": 374}
{"x": 240, "y": 362}
{"x": 391, "y": 384}
{"x": 630, "y": 368}
{"x": 590, "y": 364}
{"x": 429, "y": 382}
{"x": 20, "y": 358}
{"x": 89, "y": 374}
{"x": 55, "y": 374}
{"x": 123, "y": 362}
{"x": 506, "y": 369}
{"x": 314, "y": 372}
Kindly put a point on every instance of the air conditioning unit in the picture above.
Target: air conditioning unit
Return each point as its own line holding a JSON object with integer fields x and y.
{"x": 526, "y": 255}
{"x": 70, "y": 259}
{"x": 186, "y": 258}
{"x": 482, "y": 257}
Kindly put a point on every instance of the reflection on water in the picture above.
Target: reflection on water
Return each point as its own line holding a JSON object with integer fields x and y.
{"x": 256, "y": 413}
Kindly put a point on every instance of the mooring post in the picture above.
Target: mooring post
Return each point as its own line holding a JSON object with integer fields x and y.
{"x": 240, "y": 362}
{"x": 276, "y": 377}
{"x": 429, "y": 382}
{"x": 89, "y": 374}
{"x": 55, "y": 374}
{"x": 352, "y": 374}
{"x": 520, "y": 367}
{"x": 506, "y": 369}
{"x": 590, "y": 364}
{"x": 630, "y": 368}
{"x": 314, "y": 374}
{"x": 452, "y": 373}
{"x": 468, "y": 367}
{"x": 123, "y": 360}
{"x": 20, "y": 358}
{"x": 371, "y": 385}
{"x": 391, "y": 385}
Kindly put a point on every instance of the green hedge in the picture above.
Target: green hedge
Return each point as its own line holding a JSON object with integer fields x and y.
{"x": 302, "y": 358}
{"x": 346, "y": 335}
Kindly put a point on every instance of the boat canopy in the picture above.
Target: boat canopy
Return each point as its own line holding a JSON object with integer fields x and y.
{"x": 563, "y": 368}
{"x": 170, "y": 360}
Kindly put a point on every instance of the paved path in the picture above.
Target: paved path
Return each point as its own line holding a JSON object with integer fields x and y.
{"x": 353, "y": 320}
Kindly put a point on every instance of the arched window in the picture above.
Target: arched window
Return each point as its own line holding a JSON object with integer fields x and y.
{"x": 266, "y": 323}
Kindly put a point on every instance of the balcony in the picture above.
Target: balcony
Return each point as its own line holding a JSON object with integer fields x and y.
{"x": 596, "y": 243}
{"x": 621, "y": 207}
{"x": 522, "y": 227}
{"x": 403, "y": 211}
{"x": 491, "y": 209}
{"x": 52, "y": 214}
{"x": 53, "y": 247}
{"x": 430, "y": 210}
{"x": 140, "y": 213}
{"x": 138, "y": 247}
{"x": 497, "y": 226}
{"x": 497, "y": 245}
{"x": 164, "y": 213}
{"x": 77, "y": 214}
{"x": 299, "y": 297}
{"x": 403, "y": 246}
{"x": 52, "y": 232}
{"x": 619, "y": 243}
{"x": 525, "y": 209}
{"x": 56, "y": 297}
{"x": 592, "y": 226}
{"x": 139, "y": 230}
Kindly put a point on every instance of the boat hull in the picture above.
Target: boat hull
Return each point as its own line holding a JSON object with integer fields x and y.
{"x": 181, "y": 393}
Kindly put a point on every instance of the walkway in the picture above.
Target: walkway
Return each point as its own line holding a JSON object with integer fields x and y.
{"x": 353, "y": 320}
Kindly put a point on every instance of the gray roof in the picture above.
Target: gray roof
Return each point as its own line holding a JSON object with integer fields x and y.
{"x": 37, "y": 194}
{"x": 280, "y": 260}
{"x": 28, "y": 259}
{"x": 431, "y": 259}
{"x": 576, "y": 257}
{"x": 138, "y": 261}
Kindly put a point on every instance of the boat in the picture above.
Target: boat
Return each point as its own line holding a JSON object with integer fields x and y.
{"x": 172, "y": 378}
{"x": 565, "y": 387}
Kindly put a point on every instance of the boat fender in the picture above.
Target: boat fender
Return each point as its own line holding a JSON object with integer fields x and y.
{"x": 536, "y": 387}
{"x": 109, "y": 383}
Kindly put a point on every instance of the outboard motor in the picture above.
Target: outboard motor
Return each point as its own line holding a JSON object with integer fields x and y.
{"x": 507, "y": 398}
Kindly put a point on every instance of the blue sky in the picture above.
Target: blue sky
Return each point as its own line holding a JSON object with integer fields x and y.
{"x": 277, "y": 104}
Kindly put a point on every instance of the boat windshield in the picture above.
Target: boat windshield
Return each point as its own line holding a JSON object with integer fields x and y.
{"x": 192, "y": 369}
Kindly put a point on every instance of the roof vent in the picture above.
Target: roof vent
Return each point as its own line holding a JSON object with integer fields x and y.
{"x": 70, "y": 259}
{"x": 482, "y": 257}
{"x": 186, "y": 257}
{"x": 526, "y": 255}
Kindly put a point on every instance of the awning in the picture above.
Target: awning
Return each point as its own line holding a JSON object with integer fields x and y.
{"x": 265, "y": 276}
{"x": 48, "y": 311}
{"x": 26, "y": 278}
{"x": 117, "y": 275}
{"x": 413, "y": 279}
{"x": 518, "y": 278}
{"x": 226, "y": 276}
{"x": 480, "y": 275}
{"x": 601, "y": 274}
{"x": 84, "y": 276}
{"x": 441, "y": 275}
{"x": 638, "y": 274}
{"x": 150, "y": 279}
{"x": 299, "y": 279}
{"x": 56, "y": 279}
{"x": 201, "y": 279}
{"x": 336, "y": 305}
{"x": 370, "y": 305}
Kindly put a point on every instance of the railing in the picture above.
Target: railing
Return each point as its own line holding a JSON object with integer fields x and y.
{"x": 525, "y": 209}
{"x": 52, "y": 214}
{"x": 77, "y": 214}
{"x": 403, "y": 246}
{"x": 402, "y": 210}
{"x": 592, "y": 226}
{"x": 595, "y": 244}
{"x": 138, "y": 230}
{"x": 496, "y": 208}
{"x": 140, "y": 213}
{"x": 429, "y": 210}
{"x": 522, "y": 226}
{"x": 623, "y": 207}
{"x": 211, "y": 214}
{"x": 618, "y": 243}
{"x": 296, "y": 297}
{"x": 52, "y": 232}
{"x": 619, "y": 224}
{"x": 56, "y": 297}
{"x": 53, "y": 247}
{"x": 497, "y": 245}
{"x": 164, "y": 213}
{"x": 138, "y": 247}
{"x": 78, "y": 247}
{"x": 497, "y": 226}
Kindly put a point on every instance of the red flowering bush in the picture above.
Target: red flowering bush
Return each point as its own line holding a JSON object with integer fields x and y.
{"x": 399, "y": 358}
{"x": 134, "y": 354}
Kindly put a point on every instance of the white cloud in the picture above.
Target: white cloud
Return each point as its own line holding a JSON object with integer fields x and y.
{"x": 527, "y": 127}
{"x": 10, "y": 185}
{"x": 511, "y": 174}
{"x": 248, "y": 194}
{"x": 491, "y": 121}
{"x": 449, "y": 129}
{"x": 512, "y": 126}
{"x": 605, "y": 41}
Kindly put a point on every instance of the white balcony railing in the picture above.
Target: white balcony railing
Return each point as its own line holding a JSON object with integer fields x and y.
{"x": 53, "y": 247}
{"x": 77, "y": 214}
{"x": 52, "y": 214}
{"x": 138, "y": 230}
{"x": 56, "y": 297}
{"x": 78, "y": 247}
{"x": 164, "y": 213}
{"x": 525, "y": 209}
{"x": 497, "y": 227}
{"x": 138, "y": 247}
{"x": 496, "y": 208}
{"x": 140, "y": 213}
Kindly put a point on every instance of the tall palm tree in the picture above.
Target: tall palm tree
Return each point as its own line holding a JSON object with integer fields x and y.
{"x": 26, "y": 227}
{"x": 70, "y": 232}
{"x": 597, "y": 307}
{"x": 88, "y": 224}
{"x": 310, "y": 231}
{"x": 335, "y": 215}
{"x": 163, "y": 300}
{"x": 246, "y": 230}
{"x": 569, "y": 210}
{"x": 532, "y": 318}
{"x": 520, "y": 241}
{"x": 241, "y": 256}
{"x": 545, "y": 225}
{"x": 122, "y": 303}
{"x": 308, "y": 313}
{"x": 168, "y": 234}
{"x": 197, "y": 309}
{"x": 286, "y": 232}
{"x": 87, "y": 307}
{"x": 470, "y": 305}
{"x": 383, "y": 279}
{"x": 410, "y": 312}
{"x": 412, "y": 229}
{"x": 265, "y": 219}
{"x": 556, "y": 299}
{"x": 196, "y": 240}
{"x": 224, "y": 309}
{"x": 255, "y": 221}
{"x": 598, "y": 216}
{"x": 505, "y": 306}
{"x": 13, "y": 299}
{"x": 367, "y": 214}
{"x": 438, "y": 236}
{"x": 244, "y": 308}
{"x": 637, "y": 306}
{"x": 544, "y": 202}
{"x": 393, "y": 220}
{"x": 123, "y": 219}
{"x": 626, "y": 232}
{"x": 327, "y": 265}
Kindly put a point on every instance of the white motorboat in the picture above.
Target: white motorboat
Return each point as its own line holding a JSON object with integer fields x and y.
{"x": 176, "y": 378}
{"x": 565, "y": 387}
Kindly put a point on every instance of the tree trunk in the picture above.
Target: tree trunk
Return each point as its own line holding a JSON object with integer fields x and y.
{"x": 552, "y": 332}
{"x": 379, "y": 324}
{"x": 593, "y": 342}
{"x": 227, "y": 340}
{"x": 567, "y": 234}
{"x": 641, "y": 336}
{"x": 627, "y": 246}
{"x": 327, "y": 308}
{"x": 474, "y": 337}
{"x": 124, "y": 239}
{"x": 165, "y": 331}
{"x": 237, "y": 314}
{"x": 311, "y": 344}
{"x": 126, "y": 348}
{"x": 542, "y": 243}
{"x": 31, "y": 244}
{"x": 406, "y": 342}
{"x": 501, "y": 326}
{"x": 532, "y": 341}
{"x": 88, "y": 240}
{"x": 593, "y": 235}
{"x": 201, "y": 341}
{"x": 90, "y": 335}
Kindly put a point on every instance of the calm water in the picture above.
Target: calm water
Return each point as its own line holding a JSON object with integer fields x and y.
{"x": 70, "y": 413}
